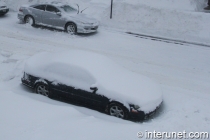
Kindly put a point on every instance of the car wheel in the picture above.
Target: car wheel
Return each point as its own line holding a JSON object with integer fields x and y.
{"x": 29, "y": 20}
{"x": 42, "y": 89}
{"x": 117, "y": 110}
{"x": 71, "y": 28}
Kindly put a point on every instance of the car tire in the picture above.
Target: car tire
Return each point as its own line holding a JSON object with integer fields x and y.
{"x": 118, "y": 110}
{"x": 29, "y": 20}
{"x": 71, "y": 28}
{"x": 42, "y": 89}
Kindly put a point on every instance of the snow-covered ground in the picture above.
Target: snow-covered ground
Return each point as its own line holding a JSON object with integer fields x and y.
{"x": 182, "y": 71}
{"x": 177, "y": 19}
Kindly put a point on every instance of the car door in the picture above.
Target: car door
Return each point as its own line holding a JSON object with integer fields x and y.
{"x": 50, "y": 16}
{"x": 38, "y": 12}
{"x": 88, "y": 98}
{"x": 94, "y": 99}
{"x": 60, "y": 90}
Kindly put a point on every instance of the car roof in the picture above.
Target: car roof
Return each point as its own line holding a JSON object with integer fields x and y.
{"x": 54, "y": 3}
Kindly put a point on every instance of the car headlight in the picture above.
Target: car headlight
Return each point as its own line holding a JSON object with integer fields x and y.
{"x": 88, "y": 24}
{"x": 136, "y": 107}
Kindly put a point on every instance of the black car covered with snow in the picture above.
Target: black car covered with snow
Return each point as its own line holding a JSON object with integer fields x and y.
{"x": 94, "y": 81}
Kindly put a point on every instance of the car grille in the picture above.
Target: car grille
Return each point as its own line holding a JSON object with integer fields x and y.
{"x": 95, "y": 28}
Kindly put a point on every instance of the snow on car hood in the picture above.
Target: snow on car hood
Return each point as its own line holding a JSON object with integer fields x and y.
{"x": 80, "y": 17}
{"x": 83, "y": 69}
{"x": 84, "y": 17}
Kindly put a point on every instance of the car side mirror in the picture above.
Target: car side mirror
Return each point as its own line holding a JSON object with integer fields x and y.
{"x": 58, "y": 13}
{"x": 94, "y": 89}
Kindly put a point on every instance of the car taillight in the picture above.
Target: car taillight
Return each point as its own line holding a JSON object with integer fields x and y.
{"x": 20, "y": 10}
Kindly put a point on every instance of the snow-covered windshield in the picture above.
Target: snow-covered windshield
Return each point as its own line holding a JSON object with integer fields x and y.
{"x": 68, "y": 8}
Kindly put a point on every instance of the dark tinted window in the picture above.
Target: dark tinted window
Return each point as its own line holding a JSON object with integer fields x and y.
{"x": 51, "y": 9}
{"x": 40, "y": 7}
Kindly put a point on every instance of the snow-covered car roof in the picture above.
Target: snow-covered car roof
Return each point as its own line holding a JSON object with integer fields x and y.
{"x": 83, "y": 69}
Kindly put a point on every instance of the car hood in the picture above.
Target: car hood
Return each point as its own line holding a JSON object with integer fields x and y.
{"x": 81, "y": 18}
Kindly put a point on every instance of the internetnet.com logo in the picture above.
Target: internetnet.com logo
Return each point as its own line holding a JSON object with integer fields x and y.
{"x": 172, "y": 135}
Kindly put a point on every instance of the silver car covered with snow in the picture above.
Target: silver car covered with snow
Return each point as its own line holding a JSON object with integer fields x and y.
{"x": 58, "y": 15}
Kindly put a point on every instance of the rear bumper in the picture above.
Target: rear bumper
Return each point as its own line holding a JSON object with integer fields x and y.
{"x": 26, "y": 83}
{"x": 20, "y": 17}
{"x": 4, "y": 11}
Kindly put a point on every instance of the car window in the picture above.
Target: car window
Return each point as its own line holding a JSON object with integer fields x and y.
{"x": 51, "y": 9}
{"x": 40, "y": 7}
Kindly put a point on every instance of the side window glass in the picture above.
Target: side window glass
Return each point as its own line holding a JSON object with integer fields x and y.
{"x": 51, "y": 9}
{"x": 40, "y": 7}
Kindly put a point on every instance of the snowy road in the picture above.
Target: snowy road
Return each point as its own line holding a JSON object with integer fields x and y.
{"x": 182, "y": 71}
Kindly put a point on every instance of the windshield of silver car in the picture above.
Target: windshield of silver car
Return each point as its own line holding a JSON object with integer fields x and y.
{"x": 68, "y": 8}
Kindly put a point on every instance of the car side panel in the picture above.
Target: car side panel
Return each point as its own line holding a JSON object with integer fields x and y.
{"x": 37, "y": 14}
{"x": 89, "y": 98}
{"x": 60, "y": 90}
{"x": 69, "y": 93}
{"x": 61, "y": 22}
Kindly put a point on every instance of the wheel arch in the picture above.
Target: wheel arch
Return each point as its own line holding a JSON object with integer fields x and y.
{"x": 115, "y": 102}
{"x": 27, "y": 16}
{"x": 40, "y": 81}
{"x": 68, "y": 22}
{"x": 126, "y": 110}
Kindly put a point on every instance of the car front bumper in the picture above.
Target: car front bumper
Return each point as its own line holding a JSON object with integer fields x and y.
{"x": 140, "y": 115}
{"x": 4, "y": 11}
{"x": 87, "y": 29}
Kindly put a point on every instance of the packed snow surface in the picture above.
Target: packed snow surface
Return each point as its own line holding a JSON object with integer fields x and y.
{"x": 82, "y": 69}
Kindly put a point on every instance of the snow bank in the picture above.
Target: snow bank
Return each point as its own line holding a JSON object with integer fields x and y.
{"x": 169, "y": 19}
{"x": 140, "y": 18}
{"x": 82, "y": 69}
